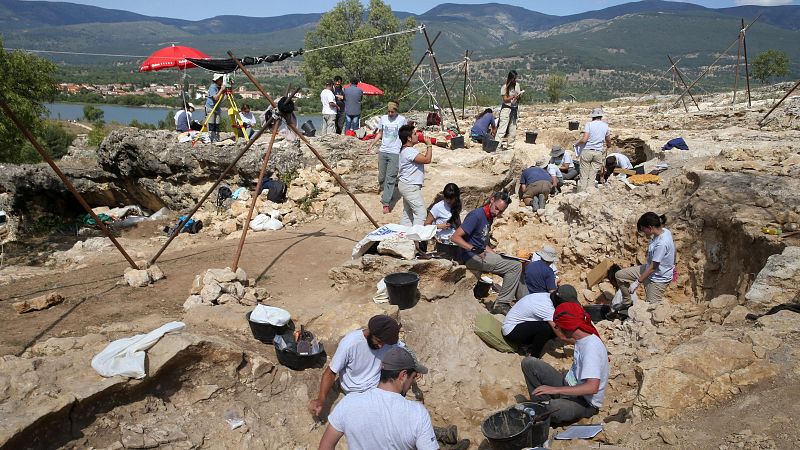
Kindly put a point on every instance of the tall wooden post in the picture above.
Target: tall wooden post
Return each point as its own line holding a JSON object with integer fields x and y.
{"x": 464, "y": 97}
{"x": 746, "y": 66}
{"x": 441, "y": 78}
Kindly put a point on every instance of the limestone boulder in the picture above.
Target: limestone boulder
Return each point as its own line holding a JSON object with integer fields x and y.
{"x": 400, "y": 247}
{"x": 776, "y": 283}
{"x": 38, "y": 303}
{"x": 137, "y": 278}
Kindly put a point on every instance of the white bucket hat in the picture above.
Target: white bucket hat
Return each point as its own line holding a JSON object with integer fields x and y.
{"x": 548, "y": 253}
{"x": 597, "y": 112}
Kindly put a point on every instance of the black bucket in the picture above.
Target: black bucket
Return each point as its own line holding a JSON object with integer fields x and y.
{"x": 489, "y": 145}
{"x": 573, "y": 125}
{"x": 296, "y": 361}
{"x": 402, "y": 288}
{"x": 457, "y": 142}
{"x": 448, "y": 251}
{"x": 530, "y": 137}
{"x": 512, "y": 429}
{"x": 265, "y": 332}
{"x": 597, "y": 312}
{"x": 308, "y": 128}
{"x": 481, "y": 289}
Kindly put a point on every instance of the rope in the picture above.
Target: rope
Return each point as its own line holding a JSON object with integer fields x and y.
{"x": 396, "y": 33}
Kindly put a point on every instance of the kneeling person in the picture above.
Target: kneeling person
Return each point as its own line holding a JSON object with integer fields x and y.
{"x": 579, "y": 393}
{"x": 529, "y": 324}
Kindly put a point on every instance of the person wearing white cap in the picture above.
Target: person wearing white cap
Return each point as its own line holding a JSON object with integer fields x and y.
{"x": 596, "y": 137}
{"x": 183, "y": 118}
{"x": 539, "y": 276}
{"x": 382, "y": 417}
{"x": 215, "y": 91}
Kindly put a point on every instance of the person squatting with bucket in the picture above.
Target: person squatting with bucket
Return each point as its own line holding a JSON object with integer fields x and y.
{"x": 579, "y": 393}
{"x": 473, "y": 238}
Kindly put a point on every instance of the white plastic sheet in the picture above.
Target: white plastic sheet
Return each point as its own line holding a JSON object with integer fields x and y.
{"x": 125, "y": 356}
{"x": 270, "y": 315}
{"x": 416, "y": 233}
{"x": 382, "y": 295}
{"x": 263, "y": 222}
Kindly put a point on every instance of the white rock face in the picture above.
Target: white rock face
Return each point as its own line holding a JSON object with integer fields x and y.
{"x": 777, "y": 282}
{"x": 137, "y": 278}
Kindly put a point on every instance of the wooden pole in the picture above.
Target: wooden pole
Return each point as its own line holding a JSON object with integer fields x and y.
{"x": 464, "y": 97}
{"x": 441, "y": 78}
{"x": 70, "y": 187}
{"x": 302, "y": 137}
{"x": 680, "y": 77}
{"x": 405, "y": 85}
{"x": 738, "y": 63}
{"x": 746, "y": 65}
{"x": 779, "y": 102}
{"x": 656, "y": 82}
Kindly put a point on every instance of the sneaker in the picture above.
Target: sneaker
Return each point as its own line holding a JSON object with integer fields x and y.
{"x": 535, "y": 204}
{"x": 501, "y": 308}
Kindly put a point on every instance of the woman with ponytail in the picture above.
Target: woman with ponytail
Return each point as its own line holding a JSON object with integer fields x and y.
{"x": 657, "y": 273}
{"x": 445, "y": 212}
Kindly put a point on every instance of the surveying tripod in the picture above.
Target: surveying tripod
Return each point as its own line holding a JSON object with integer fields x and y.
{"x": 237, "y": 124}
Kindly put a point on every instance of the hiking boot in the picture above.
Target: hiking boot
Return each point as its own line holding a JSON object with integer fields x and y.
{"x": 501, "y": 308}
{"x": 460, "y": 445}
{"x": 446, "y": 435}
{"x": 535, "y": 204}
{"x": 541, "y": 201}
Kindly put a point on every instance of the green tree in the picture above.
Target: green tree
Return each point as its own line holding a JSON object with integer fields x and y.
{"x": 26, "y": 82}
{"x": 769, "y": 64}
{"x": 382, "y": 62}
{"x": 96, "y": 136}
{"x": 555, "y": 84}
{"x": 93, "y": 113}
{"x": 56, "y": 139}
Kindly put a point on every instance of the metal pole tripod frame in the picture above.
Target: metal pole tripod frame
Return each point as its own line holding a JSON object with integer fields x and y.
{"x": 444, "y": 85}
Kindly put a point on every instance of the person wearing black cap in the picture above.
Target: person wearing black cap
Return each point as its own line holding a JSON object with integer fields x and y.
{"x": 357, "y": 361}
{"x": 529, "y": 325}
{"x": 382, "y": 417}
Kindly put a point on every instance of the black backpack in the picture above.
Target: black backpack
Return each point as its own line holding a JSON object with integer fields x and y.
{"x": 223, "y": 193}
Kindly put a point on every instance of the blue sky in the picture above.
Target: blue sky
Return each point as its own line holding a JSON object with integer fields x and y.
{"x": 201, "y": 9}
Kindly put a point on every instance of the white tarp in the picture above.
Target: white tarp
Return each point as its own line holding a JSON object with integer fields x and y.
{"x": 125, "y": 356}
{"x": 270, "y": 315}
{"x": 416, "y": 233}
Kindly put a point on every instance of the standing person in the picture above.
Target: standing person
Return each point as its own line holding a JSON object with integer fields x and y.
{"x": 563, "y": 160}
{"x": 183, "y": 119}
{"x": 215, "y": 92}
{"x": 539, "y": 276}
{"x": 659, "y": 269}
{"x": 382, "y": 417}
{"x": 357, "y": 361}
{"x": 328, "y": 109}
{"x": 446, "y": 213}
{"x": 411, "y": 176}
{"x": 249, "y": 121}
{"x": 580, "y": 392}
{"x": 509, "y": 111}
{"x": 352, "y": 105}
{"x": 483, "y": 128}
{"x": 389, "y": 153}
{"x": 529, "y": 325}
{"x": 535, "y": 185}
{"x": 473, "y": 238}
{"x": 596, "y": 134}
{"x": 338, "y": 92}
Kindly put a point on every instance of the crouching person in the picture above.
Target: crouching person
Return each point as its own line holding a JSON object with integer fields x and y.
{"x": 578, "y": 393}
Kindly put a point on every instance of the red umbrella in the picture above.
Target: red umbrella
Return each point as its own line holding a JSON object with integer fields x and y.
{"x": 174, "y": 56}
{"x": 368, "y": 89}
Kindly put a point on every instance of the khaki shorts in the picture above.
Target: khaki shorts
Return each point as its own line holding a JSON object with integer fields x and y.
{"x": 538, "y": 187}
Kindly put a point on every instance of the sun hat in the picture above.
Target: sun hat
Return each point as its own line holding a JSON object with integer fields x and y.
{"x": 557, "y": 150}
{"x": 190, "y": 105}
{"x": 217, "y": 76}
{"x": 399, "y": 358}
{"x": 547, "y": 253}
{"x": 597, "y": 112}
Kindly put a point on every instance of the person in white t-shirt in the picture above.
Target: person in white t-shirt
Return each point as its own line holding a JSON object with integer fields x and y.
{"x": 389, "y": 155}
{"x": 357, "y": 361}
{"x": 659, "y": 270}
{"x": 580, "y": 392}
{"x": 563, "y": 160}
{"x": 381, "y": 417}
{"x": 411, "y": 176}
{"x": 445, "y": 212}
{"x": 596, "y": 135}
{"x": 329, "y": 109}
{"x": 529, "y": 325}
{"x": 614, "y": 161}
{"x": 249, "y": 121}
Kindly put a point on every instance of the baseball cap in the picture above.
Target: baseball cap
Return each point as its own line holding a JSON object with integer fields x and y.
{"x": 384, "y": 328}
{"x": 398, "y": 358}
{"x": 567, "y": 293}
{"x": 217, "y": 76}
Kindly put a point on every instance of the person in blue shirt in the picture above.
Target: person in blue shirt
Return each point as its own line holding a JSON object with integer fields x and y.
{"x": 473, "y": 238}
{"x": 215, "y": 91}
{"x": 539, "y": 276}
{"x": 535, "y": 185}
{"x": 484, "y": 126}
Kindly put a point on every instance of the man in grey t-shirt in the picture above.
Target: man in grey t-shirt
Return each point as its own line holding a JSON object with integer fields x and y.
{"x": 352, "y": 105}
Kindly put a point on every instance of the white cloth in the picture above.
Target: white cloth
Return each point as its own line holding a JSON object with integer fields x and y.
{"x": 388, "y": 231}
{"x": 263, "y": 222}
{"x": 535, "y": 307}
{"x": 390, "y": 140}
{"x": 410, "y": 172}
{"x": 590, "y": 360}
{"x": 662, "y": 251}
{"x": 358, "y": 366}
{"x": 327, "y": 97}
{"x": 441, "y": 214}
{"x": 381, "y": 295}
{"x": 379, "y": 419}
{"x": 567, "y": 159}
{"x": 598, "y": 130}
{"x": 125, "y": 356}
{"x": 270, "y": 315}
{"x": 623, "y": 162}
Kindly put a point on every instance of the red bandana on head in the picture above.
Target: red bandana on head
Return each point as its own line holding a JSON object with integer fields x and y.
{"x": 571, "y": 316}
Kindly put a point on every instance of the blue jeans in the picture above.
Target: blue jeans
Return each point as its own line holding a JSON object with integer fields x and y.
{"x": 352, "y": 122}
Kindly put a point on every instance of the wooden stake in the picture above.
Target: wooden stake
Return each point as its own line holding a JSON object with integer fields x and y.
{"x": 441, "y": 78}
{"x": 464, "y": 97}
{"x": 746, "y": 65}
{"x": 738, "y": 63}
{"x": 760, "y": 122}
{"x": 680, "y": 77}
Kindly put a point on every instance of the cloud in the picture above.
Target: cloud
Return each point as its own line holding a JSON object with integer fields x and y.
{"x": 763, "y": 2}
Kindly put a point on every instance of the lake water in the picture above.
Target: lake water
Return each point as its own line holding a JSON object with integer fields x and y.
{"x": 125, "y": 114}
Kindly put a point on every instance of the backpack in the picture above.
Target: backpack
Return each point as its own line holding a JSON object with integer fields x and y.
{"x": 489, "y": 329}
{"x": 223, "y": 193}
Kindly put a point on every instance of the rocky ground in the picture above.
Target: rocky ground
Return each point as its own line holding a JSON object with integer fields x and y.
{"x": 690, "y": 372}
